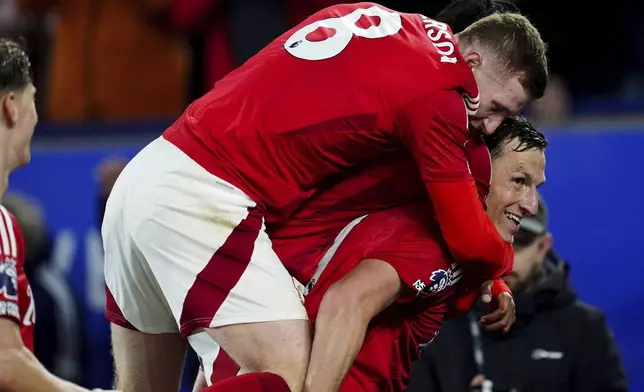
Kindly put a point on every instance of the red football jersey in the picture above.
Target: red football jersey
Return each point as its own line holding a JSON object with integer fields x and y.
{"x": 410, "y": 241}
{"x": 16, "y": 300}
{"x": 350, "y": 83}
{"x": 392, "y": 180}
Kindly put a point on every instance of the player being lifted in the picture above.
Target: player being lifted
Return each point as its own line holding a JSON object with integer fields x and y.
{"x": 185, "y": 239}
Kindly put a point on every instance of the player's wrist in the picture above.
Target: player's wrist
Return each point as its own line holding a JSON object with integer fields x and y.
{"x": 499, "y": 287}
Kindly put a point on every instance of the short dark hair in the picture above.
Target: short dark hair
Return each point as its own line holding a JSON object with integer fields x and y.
{"x": 461, "y": 13}
{"x": 15, "y": 67}
{"x": 519, "y": 128}
{"x": 517, "y": 45}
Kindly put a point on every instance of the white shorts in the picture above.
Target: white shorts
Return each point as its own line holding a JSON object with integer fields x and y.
{"x": 186, "y": 250}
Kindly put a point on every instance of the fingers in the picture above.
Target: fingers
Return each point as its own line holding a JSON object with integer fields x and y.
{"x": 486, "y": 291}
{"x": 477, "y": 381}
{"x": 503, "y": 317}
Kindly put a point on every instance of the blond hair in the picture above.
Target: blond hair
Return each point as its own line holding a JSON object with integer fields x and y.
{"x": 517, "y": 45}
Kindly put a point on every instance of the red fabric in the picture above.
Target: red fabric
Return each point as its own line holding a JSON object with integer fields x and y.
{"x": 410, "y": 242}
{"x": 462, "y": 302}
{"x": 223, "y": 367}
{"x": 16, "y": 299}
{"x": 499, "y": 287}
{"x": 390, "y": 181}
{"x": 251, "y": 382}
{"x": 471, "y": 236}
{"x": 301, "y": 240}
{"x": 278, "y": 140}
{"x": 113, "y": 312}
{"x": 221, "y": 274}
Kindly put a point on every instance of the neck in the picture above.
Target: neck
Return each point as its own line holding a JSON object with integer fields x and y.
{"x": 5, "y": 167}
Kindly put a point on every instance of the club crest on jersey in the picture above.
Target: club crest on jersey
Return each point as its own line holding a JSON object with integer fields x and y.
{"x": 8, "y": 279}
{"x": 438, "y": 280}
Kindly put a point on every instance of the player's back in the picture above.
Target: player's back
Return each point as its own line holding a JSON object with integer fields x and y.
{"x": 389, "y": 181}
{"x": 301, "y": 240}
{"x": 409, "y": 240}
{"x": 320, "y": 98}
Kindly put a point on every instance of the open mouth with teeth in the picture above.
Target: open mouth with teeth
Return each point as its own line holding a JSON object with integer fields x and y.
{"x": 513, "y": 218}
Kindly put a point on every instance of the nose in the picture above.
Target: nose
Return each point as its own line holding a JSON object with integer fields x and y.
{"x": 491, "y": 123}
{"x": 530, "y": 204}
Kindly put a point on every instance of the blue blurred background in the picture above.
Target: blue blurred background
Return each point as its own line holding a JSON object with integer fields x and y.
{"x": 112, "y": 74}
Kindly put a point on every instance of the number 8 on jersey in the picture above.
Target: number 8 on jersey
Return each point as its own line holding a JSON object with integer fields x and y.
{"x": 344, "y": 29}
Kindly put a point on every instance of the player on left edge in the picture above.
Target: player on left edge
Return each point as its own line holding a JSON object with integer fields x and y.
{"x": 20, "y": 371}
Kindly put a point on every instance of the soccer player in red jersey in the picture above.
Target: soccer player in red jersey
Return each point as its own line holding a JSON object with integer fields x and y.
{"x": 387, "y": 281}
{"x": 186, "y": 249}
{"x": 387, "y": 287}
{"x": 20, "y": 371}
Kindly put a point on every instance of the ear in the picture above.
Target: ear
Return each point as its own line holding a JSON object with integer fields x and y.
{"x": 473, "y": 59}
{"x": 547, "y": 242}
{"x": 9, "y": 109}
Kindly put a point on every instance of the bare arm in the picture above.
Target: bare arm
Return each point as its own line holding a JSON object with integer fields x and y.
{"x": 20, "y": 371}
{"x": 345, "y": 312}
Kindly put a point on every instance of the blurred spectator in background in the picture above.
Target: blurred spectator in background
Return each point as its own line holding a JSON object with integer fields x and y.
{"x": 556, "y": 105}
{"x": 12, "y": 23}
{"x": 587, "y": 45}
{"x": 557, "y": 343}
{"x": 232, "y": 31}
{"x": 57, "y": 336}
{"x": 113, "y": 60}
{"x": 107, "y": 172}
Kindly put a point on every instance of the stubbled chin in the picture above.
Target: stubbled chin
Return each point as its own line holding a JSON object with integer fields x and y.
{"x": 505, "y": 233}
{"x": 507, "y": 237}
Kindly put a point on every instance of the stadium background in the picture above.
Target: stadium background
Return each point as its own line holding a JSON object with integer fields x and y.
{"x": 594, "y": 117}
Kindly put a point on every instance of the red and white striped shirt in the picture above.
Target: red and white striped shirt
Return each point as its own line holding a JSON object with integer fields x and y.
{"x": 16, "y": 299}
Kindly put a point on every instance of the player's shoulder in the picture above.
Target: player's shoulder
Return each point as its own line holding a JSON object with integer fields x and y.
{"x": 10, "y": 235}
{"x": 414, "y": 222}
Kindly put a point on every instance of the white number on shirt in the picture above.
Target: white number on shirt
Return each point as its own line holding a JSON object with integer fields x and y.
{"x": 345, "y": 28}
{"x": 30, "y": 314}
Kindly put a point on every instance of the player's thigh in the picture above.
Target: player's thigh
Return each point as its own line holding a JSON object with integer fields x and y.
{"x": 238, "y": 291}
{"x": 280, "y": 347}
{"x": 231, "y": 283}
{"x": 204, "y": 243}
{"x": 215, "y": 264}
{"x": 147, "y": 362}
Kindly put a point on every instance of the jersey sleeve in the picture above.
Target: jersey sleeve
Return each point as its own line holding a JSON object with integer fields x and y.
{"x": 11, "y": 264}
{"x": 419, "y": 257}
{"x": 434, "y": 129}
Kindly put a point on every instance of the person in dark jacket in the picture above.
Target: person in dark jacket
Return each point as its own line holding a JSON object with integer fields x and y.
{"x": 558, "y": 343}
